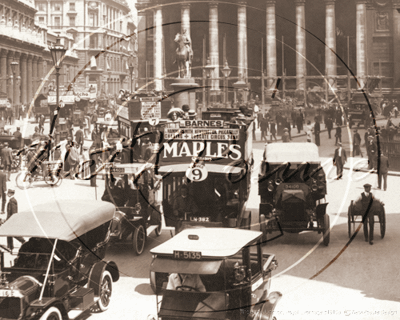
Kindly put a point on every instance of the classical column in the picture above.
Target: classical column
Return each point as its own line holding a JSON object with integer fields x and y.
{"x": 396, "y": 41}
{"x": 3, "y": 70}
{"x": 158, "y": 50}
{"x": 185, "y": 18}
{"x": 35, "y": 79}
{"x": 361, "y": 13}
{"x": 271, "y": 43}
{"x": 10, "y": 91}
{"x": 40, "y": 72}
{"x": 30, "y": 79}
{"x": 17, "y": 81}
{"x": 300, "y": 45}
{"x": 214, "y": 43}
{"x": 330, "y": 41}
{"x": 142, "y": 42}
{"x": 242, "y": 40}
{"x": 24, "y": 93}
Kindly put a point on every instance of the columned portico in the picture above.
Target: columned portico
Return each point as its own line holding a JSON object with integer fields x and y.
{"x": 300, "y": 45}
{"x": 330, "y": 41}
{"x": 17, "y": 81}
{"x": 10, "y": 91}
{"x": 158, "y": 50}
{"x": 271, "y": 42}
{"x": 24, "y": 95}
{"x": 30, "y": 79}
{"x": 35, "y": 81}
{"x": 3, "y": 70}
{"x": 214, "y": 45}
{"x": 361, "y": 12}
{"x": 242, "y": 40}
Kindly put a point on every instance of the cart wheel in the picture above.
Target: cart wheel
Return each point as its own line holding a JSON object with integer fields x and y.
{"x": 51, "y": 314}
{"x": 105, "y": 291}
{"x": 23, "y": 180}
{"x": 52, "y": 179}
{"x": 349, "y": 220}
{"x": 153, "y": 284}
{"x": 138, "y": 239}
{"x": 327, "y": 233}
{"x": 382, "y": 222}
{"x": 158, "y": 230}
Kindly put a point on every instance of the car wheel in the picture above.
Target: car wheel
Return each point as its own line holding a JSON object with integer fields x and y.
{"x": 139, "y": 239}
{"x": 51, "y": 314}
{"x": 105, "y": 291}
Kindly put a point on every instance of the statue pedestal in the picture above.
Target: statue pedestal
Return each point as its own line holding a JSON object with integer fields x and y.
{"x": 185, "y": 93}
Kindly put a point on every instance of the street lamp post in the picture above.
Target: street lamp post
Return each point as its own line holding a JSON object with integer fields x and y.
{"x": 57, "y": 54}
{"x": 131, "y": 68}
{"x": 209, "y": 68}
{"x": 226, "y": 71}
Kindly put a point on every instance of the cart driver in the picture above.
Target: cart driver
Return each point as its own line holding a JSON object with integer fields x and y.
{"x": 184, "y": 203}
{"x": 185, "y": 282}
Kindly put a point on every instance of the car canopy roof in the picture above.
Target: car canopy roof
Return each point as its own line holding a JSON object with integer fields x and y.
{"x": 64, "y": 220}
{"x": 294, "y": 152}
{"x": 211, "y": 242}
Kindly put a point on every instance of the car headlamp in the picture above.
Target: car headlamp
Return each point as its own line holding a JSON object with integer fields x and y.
{"x": 278, "y": 181}
{"x": 314, "y": 188}
{"x": 270, "y": 187}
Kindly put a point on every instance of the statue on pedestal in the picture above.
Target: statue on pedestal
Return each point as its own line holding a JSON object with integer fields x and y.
{"x": 184, "y": 54}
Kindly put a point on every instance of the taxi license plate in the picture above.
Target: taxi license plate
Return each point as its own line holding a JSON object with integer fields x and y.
{"x": 117, "y": 170}
{"x": 7, "y": 293}
{"x": 187, "y": 255}
{"x": 200, "y": 219}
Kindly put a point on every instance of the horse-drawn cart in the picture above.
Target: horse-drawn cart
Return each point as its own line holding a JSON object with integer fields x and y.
{"x": 355, "y": 211}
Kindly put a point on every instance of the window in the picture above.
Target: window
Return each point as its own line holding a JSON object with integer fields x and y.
{"x": 92, "y": 19}
{"x": 57, "y": 6}
{"x": 72, "y": 6}
{"x": 72, "y": 21}
{"x": 57, "y": 21}
{"x": 41, "y": 6}
{"x": 120, "y": 26}
{"x": 93, "y": 41}
{"x": 41, "y": 20}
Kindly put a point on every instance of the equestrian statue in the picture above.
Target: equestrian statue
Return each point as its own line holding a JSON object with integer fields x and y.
{"x": 184, "y": 54}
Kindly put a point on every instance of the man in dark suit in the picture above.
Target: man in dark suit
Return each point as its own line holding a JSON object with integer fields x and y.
{"x": 12, "y": 208}
{"x": 317, "y": 130}
{"x": 6, "y": 157}
{"x": 339, "y": 159}
{"x": 383, "y": 169}
{"x": 357, "y": 144}
{"x": 3, "y": 189}
{"x": 329, "y": 125}
{"x": 338, "y": 135}
{"x": 79, "y": 139}
{"x": 17, "y": 134}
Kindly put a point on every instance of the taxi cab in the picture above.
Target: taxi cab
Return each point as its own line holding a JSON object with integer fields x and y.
{"x": 233, "y": 276}
{"x": 60, "y": 272}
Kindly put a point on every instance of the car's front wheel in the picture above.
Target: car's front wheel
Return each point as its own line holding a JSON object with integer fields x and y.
{"x": 105, "y": 291}
{"x": 138, "y": 239}
{"x": 51, "y": 314}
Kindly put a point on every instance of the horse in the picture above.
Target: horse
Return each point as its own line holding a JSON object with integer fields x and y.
{"x": 184, "y": 55}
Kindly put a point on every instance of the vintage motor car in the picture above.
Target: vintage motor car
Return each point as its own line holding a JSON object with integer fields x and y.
{"x": 60, "y": 272}
{"x": 292, "y": 187}
{"x": 134, "y": 190}
{"x": 232, "y": 272}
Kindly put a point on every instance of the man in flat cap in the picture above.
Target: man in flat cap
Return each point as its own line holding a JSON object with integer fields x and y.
{"x": 6, "y": 157}
{"x": 368, "y": 214}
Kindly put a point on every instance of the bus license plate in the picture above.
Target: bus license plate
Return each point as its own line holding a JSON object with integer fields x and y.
{"x": 187, "y": 255}
{"x": 200, "y": 219}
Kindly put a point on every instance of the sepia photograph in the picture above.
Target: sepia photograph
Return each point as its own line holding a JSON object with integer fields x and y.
{"x": 199, "y": 159}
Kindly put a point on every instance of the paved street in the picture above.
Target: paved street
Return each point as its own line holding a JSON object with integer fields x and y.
{"x": 344, "y": 280}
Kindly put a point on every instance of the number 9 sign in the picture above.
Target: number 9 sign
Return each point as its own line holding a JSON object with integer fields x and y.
{"x": 196, "y": 174}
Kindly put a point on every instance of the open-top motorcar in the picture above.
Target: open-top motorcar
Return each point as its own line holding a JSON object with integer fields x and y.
{"x": 233, "y": 275}
{"x": 60, "y": 272}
